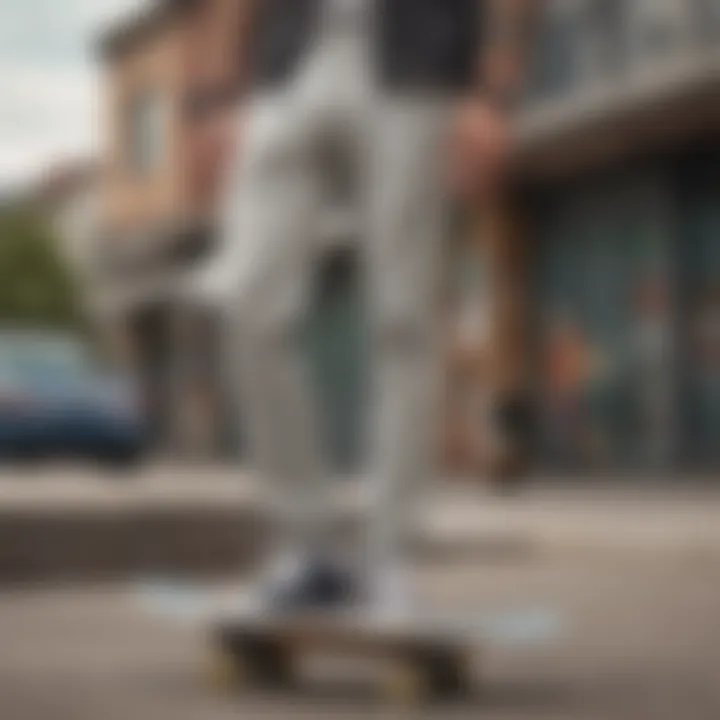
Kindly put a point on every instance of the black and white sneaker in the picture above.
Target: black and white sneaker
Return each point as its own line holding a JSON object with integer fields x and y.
{"x": 295, "y": 584}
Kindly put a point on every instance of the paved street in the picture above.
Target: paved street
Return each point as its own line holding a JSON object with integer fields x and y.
{"x": 637, "y": 638}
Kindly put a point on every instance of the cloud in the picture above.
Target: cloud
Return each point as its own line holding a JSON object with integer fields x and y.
{"x": 49, "y": 81}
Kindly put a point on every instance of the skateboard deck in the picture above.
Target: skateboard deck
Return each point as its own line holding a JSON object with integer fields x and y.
{"x": 428, "y": 655}
{"x": 422, "y": 659}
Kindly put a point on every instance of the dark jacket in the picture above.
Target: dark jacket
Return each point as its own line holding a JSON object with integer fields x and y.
{"x": 420, "y": 44}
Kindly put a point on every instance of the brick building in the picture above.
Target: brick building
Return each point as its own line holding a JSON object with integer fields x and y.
{"x": 158, "y": 188}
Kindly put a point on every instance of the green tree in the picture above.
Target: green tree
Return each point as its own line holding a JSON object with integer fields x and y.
{"x": 36, "y": 288}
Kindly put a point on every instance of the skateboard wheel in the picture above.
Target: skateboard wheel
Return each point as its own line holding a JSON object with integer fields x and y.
{"x": 241, "y": 663}
{"x": 407, "y": 683}
{"x": 451, "y": 676}
{"x": 272, "y": 664}
{"x": 229, "y": 672}
{"x": 420, "y": 679}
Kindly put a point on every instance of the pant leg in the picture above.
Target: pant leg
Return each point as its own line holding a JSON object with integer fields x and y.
{"x": 272, "y": 210}
{"x": 408, "y": 217}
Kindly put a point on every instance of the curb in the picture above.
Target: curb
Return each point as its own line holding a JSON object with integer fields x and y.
{"x": 187, "y": 530}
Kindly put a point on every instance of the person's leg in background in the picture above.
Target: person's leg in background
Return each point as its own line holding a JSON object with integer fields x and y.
{"x": 408, "y": 219}
{"x": 272, "y": 210}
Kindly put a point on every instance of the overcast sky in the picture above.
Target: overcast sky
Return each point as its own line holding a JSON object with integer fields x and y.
{"x": 48, "y": 81}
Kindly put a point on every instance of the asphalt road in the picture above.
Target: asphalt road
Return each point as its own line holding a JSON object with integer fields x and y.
{"x": 631, "y": 640}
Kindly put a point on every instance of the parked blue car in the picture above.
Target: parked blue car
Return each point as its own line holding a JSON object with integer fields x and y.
{"x": 56, "y": 399}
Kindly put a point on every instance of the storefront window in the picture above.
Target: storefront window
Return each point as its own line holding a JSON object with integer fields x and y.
{"x": 706, "y": 19}
{"x": 659, "y": 29}
{"x": 604, "y": 336}
{"x": 557, "y": 66}
{"x": 701, "y": 321}
{"x": 608, "y": 36}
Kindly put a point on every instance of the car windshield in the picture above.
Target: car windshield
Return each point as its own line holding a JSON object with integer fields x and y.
{"x": 46, "y": 362}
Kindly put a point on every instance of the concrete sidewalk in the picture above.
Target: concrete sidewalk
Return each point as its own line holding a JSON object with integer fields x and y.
{"x": 591, "y": 516}
{"x": 72, "y": 522}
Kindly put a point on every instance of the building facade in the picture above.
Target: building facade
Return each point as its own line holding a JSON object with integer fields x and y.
{"x": 158, "y": 223}
{"x": 619, "y": 196}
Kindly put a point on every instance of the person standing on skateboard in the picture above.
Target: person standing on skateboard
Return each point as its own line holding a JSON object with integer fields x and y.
{"x": 416, "y": 98}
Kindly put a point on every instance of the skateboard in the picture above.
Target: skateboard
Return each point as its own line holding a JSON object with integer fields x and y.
{"x": 428, "y": 656}
{"x": 423, "y": 661}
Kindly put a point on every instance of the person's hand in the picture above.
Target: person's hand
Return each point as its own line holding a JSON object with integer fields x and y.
{"x": 480, "y": 148}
